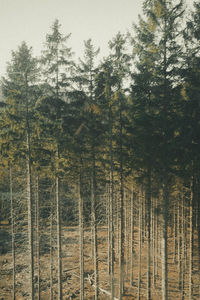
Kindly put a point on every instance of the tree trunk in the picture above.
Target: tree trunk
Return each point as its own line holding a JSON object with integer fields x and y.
{"x": 148, "y": 201}
{"x": 164, "y": 242}
{"x": 126, "y": 222}
{"x": 30, "y": 218}
{"x": 178, "y": 236}
{"x": 132, "y": 239}
{"x": 108, "y": 224}
{"x": 143, "y": 219}
{"x": 191, "y": 232}
{"x": 121, "y": 238}
{"x": 81, "y": 241}
{"x": 183, "y": 251}
{"x": 198, "y": 225}
{"x": 59, "y": 242}
{"x": 38, "y": 233}
{"x": 51, "y": 249}
{"x": 111, "y": 227}
{"x": 153, "y": 241}
{"x": 59, "y": 247}
{"x": 94, "y": 225}
{"x": 180, "y": 261}
{"x": 12, "y": 236}
{"x": 29, "y": 195}
{"x": 139, "y": 244}
{"x": 175, "y": 233}
{"x": 156, "y": 239}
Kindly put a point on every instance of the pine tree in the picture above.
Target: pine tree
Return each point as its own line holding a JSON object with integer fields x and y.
{"x": 120, "y": 60}
{"x": 18, "y": 87}
{"x": 56, "y": 62}
{"x": 189, "y": 131}
{"x": 156, "y": 88}
{"x": 106, "y": 82}
{"x": 88, "y": 132}
{"x": 143, "y": 113}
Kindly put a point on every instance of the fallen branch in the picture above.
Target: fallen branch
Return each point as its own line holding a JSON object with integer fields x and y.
{"x": 69, "y": 270}
{"x": 91, "y": 281}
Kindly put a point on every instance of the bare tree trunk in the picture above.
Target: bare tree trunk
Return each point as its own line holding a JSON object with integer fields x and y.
{"x": 121, "y": 237}
{"x": 164, "y": 243}
{"x": 148, "y": 201}
{"x": 108, "y": 224}
{"x": 175, "y": 233}
{"x": 132, "y": 238}
{"x": 139, "y": 244}
{"x": 29, "y": 195}
{"x": 178, "y": 236}
{"x": 38, "y": 233}
{"x": 117, "y": 198}
{"x": 59, "y": 247}
{"x": 111, "y": 227}
{"x": 127, "y": 227}
{"x": 94, "y": 226}
{"x": 143, "y": 219}
{"x": 191, "y": 243}
{"x": 156, "y": 239}
{"x": 81, "y": 240}
{"x": 185, "y": 238}
{"x": 30, "y": 218}
{"x": 153, "y": 240}
{"x": 12, "y": 236}
{"x": 121, "y": 219}
{"x": 198, "y": 226}
{"x": 183, "y": 251}
{"x": 180, "y": 248}
{"x": 51, "y": 250}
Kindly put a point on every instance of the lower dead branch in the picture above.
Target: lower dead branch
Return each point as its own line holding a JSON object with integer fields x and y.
{"x": 91, "y": 281}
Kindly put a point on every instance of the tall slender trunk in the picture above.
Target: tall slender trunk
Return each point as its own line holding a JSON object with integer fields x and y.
{"x": 139, "y": 245}
{"x": 81, "y": 240}
{"x": 59, "y": 244}
{"x": 148, "y": 201}
{"x": 38, "y": 233}
{"x": 121, "y": 220}
{"x": 12, "y": 236}
{"x": 153, "y": 238}
{"x": 111, "y": 197}
{"x": 121, "y": 239}
{"x": 51, "y": 249}
{"x": 126, "y": 230}
{"x": 191, "y": 232}
{"x": 165, "y": 172}
{"x": 30, "y": 217}
{"x": 183, "y": 251}
{"x": 178, "y": 236}
{"x": 198, "y": 225}
{"x": 111, "y": 241}
{"x": 180, "y": 261}
{"x": 108, "y": 225}
{"x": 175, "y": 233}
{"x": 156, "y": 239}
{"x": 118, "y": 221}
{"x": 164, "y": 242}
{"x": 132, "y": 238}
{"x": 29, "y": 194}
{"x": 143, "y": 219}
{"x": 94, "y": 225}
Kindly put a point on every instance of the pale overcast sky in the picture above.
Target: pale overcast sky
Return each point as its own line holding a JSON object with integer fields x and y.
{"x": 30, "y": 21}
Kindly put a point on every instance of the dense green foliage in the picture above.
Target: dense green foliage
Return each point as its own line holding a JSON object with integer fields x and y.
{"x": 151, "y": 93}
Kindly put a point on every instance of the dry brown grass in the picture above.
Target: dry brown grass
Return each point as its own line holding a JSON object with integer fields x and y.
{"x": 71, "y": 271}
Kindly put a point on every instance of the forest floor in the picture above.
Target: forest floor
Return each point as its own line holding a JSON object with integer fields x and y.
{"x": 70, "y": 254}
